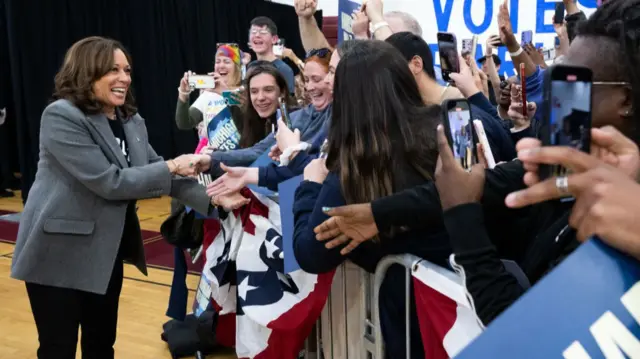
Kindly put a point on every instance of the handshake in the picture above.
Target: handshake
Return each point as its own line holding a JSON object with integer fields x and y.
{"x": 189, "y": 165}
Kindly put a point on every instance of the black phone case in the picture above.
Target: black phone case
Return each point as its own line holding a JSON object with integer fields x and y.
{"x": 445, "y": 73}
{"x": 544, "y": 131}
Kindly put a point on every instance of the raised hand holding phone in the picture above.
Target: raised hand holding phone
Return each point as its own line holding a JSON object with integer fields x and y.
{"x": 449, "y": 57}
{"x": 455, "y": 185}
{"x": 285, "y": 137}
{"x": 460, "y": 132}
{"x": 567, "y": 111}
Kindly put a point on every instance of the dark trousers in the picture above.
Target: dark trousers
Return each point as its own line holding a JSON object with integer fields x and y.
{"x": 59, "y": 312}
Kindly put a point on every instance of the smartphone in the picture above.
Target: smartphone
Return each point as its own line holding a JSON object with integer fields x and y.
{"x": 523, "y": 89}
{"x": 284, "y": 112}
{"x": 527, "y": 37}
{"x": 449, "y": 58}
{"x": 466, "y": 45}
{"x": 460, "y": 131}
{"x": 567, "y": 112}
{"x": 202, "y": 82}
{"x": 558, "y": 18}
{"x": 549, "y": 54}
{"x": 229, "y": 99}
{"x": 484, "y": 141}
{"x": 278, "y": 48}
{"x": 474, "y": 46}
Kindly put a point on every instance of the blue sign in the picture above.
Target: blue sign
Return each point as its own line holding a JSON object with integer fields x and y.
{"x": 262, "y": 161}
{"x": 456, "y": 16}
{"x": 345, "y": 9}
{"x": 287, "y": 192}
{"x": 588, "y": 307}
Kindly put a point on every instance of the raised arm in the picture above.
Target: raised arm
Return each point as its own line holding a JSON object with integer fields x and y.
{"x": 311, "y": 35}
{"x": 512, "y": 44}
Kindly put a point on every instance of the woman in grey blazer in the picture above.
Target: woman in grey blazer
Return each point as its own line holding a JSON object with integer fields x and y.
{"x": 80, "y": 222}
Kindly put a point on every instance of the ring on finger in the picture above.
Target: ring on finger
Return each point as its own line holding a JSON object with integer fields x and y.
{"x": 562, "y": 184}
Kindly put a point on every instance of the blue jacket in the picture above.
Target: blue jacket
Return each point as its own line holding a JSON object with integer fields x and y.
{"x": 313, "y": 257}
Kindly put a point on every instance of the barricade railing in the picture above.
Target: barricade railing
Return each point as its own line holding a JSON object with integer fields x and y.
{"x": 373, "y": 345}
{"x": 408, "y": 261}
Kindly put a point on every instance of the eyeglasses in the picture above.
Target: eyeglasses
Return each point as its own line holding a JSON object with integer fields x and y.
{"x": 321, "y": 53}
{"x": 261, "y": 32}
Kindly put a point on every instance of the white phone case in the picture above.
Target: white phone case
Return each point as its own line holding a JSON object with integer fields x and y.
{"x": 482, "y": 136}
{"x": 202, "y": 82}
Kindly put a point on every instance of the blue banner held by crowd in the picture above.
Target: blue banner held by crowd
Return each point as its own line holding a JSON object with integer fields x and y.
{"x": 588, "y": 307}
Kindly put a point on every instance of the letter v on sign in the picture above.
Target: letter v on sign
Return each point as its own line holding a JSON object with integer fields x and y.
{"x": 443, "y": 16}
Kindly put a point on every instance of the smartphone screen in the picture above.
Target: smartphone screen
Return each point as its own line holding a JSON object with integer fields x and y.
{"x": 568, "y": 105}
{"x": 527, "y": 37}
{"x": 523, "y": 89}
{"x": 461, "y": 132}
{"x": 448, "y": 50}
{"x": 558, "y": 18}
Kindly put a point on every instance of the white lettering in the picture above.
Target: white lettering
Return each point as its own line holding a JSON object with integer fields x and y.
{"x": 612, "y": 336}
{"x": 347, "y": 21}
{"x": 575, "y": 351}
{"x": 631, "y": 301}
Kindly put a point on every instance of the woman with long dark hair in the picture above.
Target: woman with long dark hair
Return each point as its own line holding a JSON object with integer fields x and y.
{"x": 381, "y": 140}
{"x": 265, "y": 86}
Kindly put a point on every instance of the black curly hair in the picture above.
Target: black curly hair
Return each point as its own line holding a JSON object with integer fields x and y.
{"x": 619, "y": 21}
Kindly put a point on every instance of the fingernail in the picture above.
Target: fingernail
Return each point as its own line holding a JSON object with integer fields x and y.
{"x": 511, "y": 199}
{"x": 326, "y": 209}
{"x": 525, "y": 154}
{"x": 439, "y": 127}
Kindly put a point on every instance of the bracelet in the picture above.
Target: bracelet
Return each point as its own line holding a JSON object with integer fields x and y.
{"x": 184, "y": 93}
{"x": 517, "y": 53}
{"x": 378, "y": 26}
{"x": 284, "y": 157}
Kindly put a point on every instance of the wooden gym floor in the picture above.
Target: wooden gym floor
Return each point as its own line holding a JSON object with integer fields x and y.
{"x": 143, "y": 301}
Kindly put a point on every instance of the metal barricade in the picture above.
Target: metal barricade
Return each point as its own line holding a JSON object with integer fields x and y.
{"x": 408, "y": 261}
{"x": 371, "y": 335}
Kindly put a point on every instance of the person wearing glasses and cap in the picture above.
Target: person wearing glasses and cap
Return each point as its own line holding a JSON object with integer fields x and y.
{"x": 263, "y": 35}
